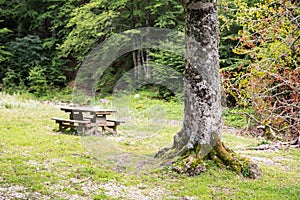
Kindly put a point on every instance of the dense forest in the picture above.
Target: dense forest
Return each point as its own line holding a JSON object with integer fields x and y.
{"x": 43, "y": 44}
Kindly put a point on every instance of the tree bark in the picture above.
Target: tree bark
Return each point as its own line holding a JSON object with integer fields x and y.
{"x": 202, "y": 119}
{"x": 147, "y": 66}
{"x": 200, "y": 137}
{"x": 135, "y": 64}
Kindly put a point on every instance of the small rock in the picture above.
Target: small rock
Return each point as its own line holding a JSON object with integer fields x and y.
{"x": 255, "y": 171}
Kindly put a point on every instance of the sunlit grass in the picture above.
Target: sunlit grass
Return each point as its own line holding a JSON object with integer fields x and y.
{"x": 61, "y": 166}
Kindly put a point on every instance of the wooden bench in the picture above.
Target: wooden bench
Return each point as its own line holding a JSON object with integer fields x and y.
{"x": 81, "y": 125}
{"x": 109, "y": 125}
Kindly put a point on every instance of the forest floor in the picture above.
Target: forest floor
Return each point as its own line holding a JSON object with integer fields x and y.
{"x": 37, "y": 162}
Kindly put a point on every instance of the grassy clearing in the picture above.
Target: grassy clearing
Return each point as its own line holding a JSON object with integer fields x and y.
{"x": 36, "y": 162}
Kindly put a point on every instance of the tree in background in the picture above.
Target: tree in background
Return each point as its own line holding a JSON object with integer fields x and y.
{"x": 4, "y": 53}
{"x": 200, "y": 137}
{"x": 94, "y": 21}
{"x": 271, "y": 38}
{"x": 68, "y": 29}
{"x": 32, "y": 42}
{"x": 232, "y": 65}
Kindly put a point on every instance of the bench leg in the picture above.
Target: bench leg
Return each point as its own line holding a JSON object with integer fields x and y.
{"x": 60, "y": 126}
{"x": 115, "y": 128}
{"x": 112, "y": 131}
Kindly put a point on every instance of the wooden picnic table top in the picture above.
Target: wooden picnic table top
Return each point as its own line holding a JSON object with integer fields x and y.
{"x": 96, "y": 110}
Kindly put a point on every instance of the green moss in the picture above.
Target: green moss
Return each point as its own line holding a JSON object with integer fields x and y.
{"x": 101, "y": 196}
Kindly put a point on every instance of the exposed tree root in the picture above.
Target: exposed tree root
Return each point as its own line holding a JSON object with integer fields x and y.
{"x": 225, "y": 157}
{"x": 192, "y": 164}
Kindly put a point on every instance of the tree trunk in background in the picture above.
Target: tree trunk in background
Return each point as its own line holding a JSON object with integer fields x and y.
{"x": 135, "y": 54}
{"x": 147, "y": 66}
{"x": 135, "y": 64}
{"x": 200, "y": 137}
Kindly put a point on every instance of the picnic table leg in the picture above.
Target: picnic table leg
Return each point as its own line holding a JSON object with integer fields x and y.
{"x": 71, "y": 117}
{"x": 92, "y": 129}
{"x": 94, "y": 119}
{"x": 82, "y": 129}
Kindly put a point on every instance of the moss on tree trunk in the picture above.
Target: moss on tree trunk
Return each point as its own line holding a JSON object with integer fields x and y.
{"x": 225, "y": 157}
{"x": 192, "y": 163}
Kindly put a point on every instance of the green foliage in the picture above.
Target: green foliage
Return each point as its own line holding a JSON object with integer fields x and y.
{"x": 26, "y": 53}
{"x": 59, "y": 13}
{"x": 262, "y": 70}
{"x": 101, "y": 196}
{"x": 61, "y": 33}
{"x": 3, "y": 51}
{"x": 168, "y": 66}
{"x": 37, "y": 80}
{"x": 29, "y": 66}
{"x": 44, "y": 42}
{"x": 36, "y": 28}
{"x": 13, "y": 81}
{"x": 167, "y": 14}
{"x": 228, "y": 36}
{"x": 233, "y": 66}
{"x": 90, "y": 22}
{"x": 166, "y": 56}
{"x": 270, "y": 36}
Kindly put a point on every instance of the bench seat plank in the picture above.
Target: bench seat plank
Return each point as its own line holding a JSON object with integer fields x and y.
{"x": 71, "y": 120}
{"x": 64, "y": 124}
{"x": 115, "y": 121}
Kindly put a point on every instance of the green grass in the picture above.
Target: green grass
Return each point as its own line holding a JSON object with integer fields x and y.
{"x": 233, "y": 119}
{"x": 47, "y": 164}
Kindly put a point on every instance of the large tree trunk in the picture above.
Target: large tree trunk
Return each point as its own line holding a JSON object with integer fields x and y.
{"x": 202, "y": 119}
{"x": 200, "y": 137}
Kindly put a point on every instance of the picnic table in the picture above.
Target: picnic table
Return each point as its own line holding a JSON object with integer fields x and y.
{"x": 88, "y": 119}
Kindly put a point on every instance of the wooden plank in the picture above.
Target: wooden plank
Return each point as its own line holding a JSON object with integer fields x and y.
{"x": 71, "y": 120}
{"x": 82, "y": 126}
{"x": 115, "y": 121}
{"x": 110, "y": 124}
{"x": 69, "y": 125}
{"x": 86, "y": 109}
{"x": 110, "y": 130}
